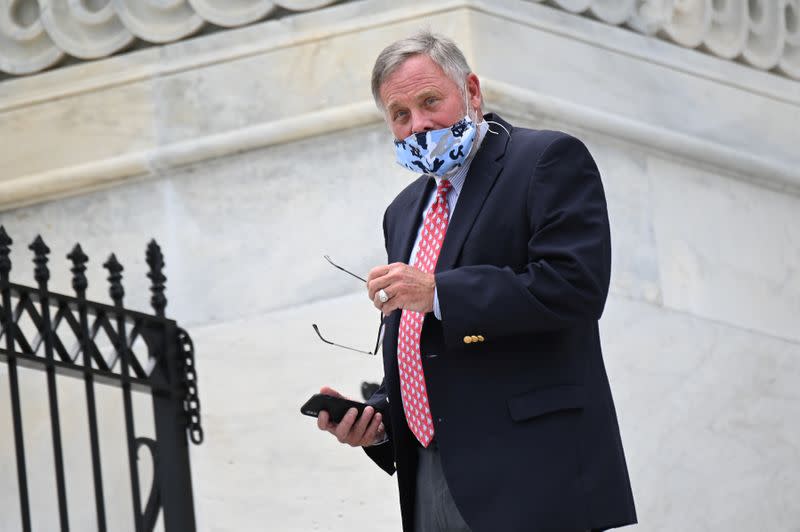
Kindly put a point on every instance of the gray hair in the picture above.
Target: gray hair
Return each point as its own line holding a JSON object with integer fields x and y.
{"x": 443, "y": 51}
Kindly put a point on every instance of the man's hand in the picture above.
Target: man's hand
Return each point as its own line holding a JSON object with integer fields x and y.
{"x": 407, "y": 287}
{"x": 363, "y": 432}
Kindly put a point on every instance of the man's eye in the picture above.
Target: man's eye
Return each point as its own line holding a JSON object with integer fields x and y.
{"x": 430, "y": 101}
{"x": 399, "y": 115}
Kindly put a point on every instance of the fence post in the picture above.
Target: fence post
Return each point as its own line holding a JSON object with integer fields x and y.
{"x": 169, "y": 411}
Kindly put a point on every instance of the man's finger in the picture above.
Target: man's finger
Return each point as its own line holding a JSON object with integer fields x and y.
{"x": 376, "y": 301}
{"x": 377, "y": 271}
{"x": 373, "y": 431}
{"x": 323, "y": 421}
{"x": 361, "y": 426}
{"x": 343, "y": 428}
{"x": 375, "y": 274}
{"x": 381, "y": 277}
{"x": 376, "y": 285}
{"x": 327, "y": 390}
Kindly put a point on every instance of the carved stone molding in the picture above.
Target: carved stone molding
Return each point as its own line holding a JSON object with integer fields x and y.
{"x": 25, "y": 46}
{"x": 763, "y": 33}
{"x": 37, "y": 34}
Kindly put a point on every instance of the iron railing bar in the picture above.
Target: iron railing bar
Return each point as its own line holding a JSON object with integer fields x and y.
{"x": 37, "y": 322}
{"x": 97, "y": 356}
{"x": 19, "y": 336}
{"x": 103, "y": 321}
{"x": 24, "y": 346}
{"x": 91, "y": 407}
{"x": 139, "y": 369}
{"x": 42, "y": 275}
{"x": 131, "y": 432}
{"x": 117, "y": 293}
{"x": 65, "y": 314}
{"x": 135, "y": 332}
{"x": 16, "y": 410}
{"x": 101, "y": 362}
{"x": 59, "y": 346}
{"x": 135, "y": 365}
{"x": 95, "y": 309}
{"x": 76, "y": 371}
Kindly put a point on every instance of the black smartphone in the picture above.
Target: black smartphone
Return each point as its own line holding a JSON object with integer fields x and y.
{"x": 336, "y": 407}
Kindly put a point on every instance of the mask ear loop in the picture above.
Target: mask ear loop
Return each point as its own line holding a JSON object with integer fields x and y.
{"x": 497, "y": 132}
{"x": 469, "y": 111}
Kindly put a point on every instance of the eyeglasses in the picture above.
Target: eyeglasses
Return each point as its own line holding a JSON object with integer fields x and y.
{"x": 378, "y": 340}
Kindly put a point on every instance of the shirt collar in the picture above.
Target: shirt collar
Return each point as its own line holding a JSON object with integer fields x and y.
{"x": 457, "y": 180}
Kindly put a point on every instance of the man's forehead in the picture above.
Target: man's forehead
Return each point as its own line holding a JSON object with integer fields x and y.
{"x": 416, "y": 76}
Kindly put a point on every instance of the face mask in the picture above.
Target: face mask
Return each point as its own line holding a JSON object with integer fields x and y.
{"x": 437, "y": 152}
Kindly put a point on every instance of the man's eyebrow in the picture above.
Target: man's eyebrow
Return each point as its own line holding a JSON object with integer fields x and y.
{"x": 419, "y": 96}
{"x": 427, "y": 92}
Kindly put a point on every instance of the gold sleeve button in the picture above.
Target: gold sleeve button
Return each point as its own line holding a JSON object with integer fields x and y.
{"x": 475, "y": 339}
{"x": 481, "y": 338}
{"x": 468, "y": 339}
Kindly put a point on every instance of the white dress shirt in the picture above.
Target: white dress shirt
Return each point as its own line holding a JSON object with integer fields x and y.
{"x": 457, "y": 180}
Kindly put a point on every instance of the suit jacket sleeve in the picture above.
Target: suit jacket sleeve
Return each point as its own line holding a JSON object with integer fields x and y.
{"x": 382, "y": 454}
{"x": 569, "y": 257}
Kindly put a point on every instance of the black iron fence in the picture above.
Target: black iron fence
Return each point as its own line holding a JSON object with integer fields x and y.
{"x": 148, "y": 353}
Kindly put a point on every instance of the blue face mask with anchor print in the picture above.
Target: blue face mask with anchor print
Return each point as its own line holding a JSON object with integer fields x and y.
{"x": 437, "y": 152}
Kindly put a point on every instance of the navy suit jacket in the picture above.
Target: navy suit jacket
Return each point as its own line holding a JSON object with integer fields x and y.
{"x": 524, "y": 419}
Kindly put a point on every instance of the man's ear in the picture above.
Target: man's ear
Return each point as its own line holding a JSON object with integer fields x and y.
{"x": 474, "y": 90}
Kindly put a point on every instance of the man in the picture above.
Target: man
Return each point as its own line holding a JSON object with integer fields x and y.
{"x": 496, "y": 407}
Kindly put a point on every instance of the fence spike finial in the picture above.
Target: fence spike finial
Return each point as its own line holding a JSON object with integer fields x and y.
{"x": 5, "y": 240}
{"x": 5, "y": 249}
{"x": 114, "y": 268}
{"x": 79, "y": 260}
{"x": 155, "y": 259}
{"x": 40, "y": 251}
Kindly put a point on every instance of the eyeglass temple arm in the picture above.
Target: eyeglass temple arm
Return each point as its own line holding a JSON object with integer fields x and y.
{"x": 316, "y": 329}
{"x": 379, "y": 339}
{"x": 345, "y": 271}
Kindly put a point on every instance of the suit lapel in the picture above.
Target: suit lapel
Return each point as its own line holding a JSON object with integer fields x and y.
{"x": 408, "y": 226}
{"x": 479, "y": 181}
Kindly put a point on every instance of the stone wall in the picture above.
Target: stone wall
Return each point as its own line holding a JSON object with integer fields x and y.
{"x": 249, "y": 154}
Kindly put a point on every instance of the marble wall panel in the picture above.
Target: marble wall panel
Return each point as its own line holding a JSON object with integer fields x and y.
{"x": 78, "y": 129}
{"x": 635, "y": 270}
{"x": 562, "y": 59}
{"x": 634, "y": 264}
{"x": 288, "y": 82}
{"x": 707, "y": 413}
{"x": 727, "y": 250}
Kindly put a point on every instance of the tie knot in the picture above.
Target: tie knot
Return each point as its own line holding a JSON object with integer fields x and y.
{"x": 444, "y": 187}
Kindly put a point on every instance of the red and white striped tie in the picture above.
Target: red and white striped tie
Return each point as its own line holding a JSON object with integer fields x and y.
{"x": 412, "y": 379}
